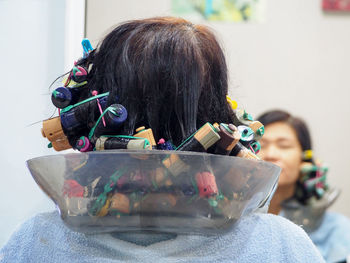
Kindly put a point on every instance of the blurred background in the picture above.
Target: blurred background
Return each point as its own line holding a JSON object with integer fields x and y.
{"x": 291, "y": 54}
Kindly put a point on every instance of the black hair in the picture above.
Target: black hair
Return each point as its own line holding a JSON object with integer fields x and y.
{"x": 169, "y": 74}
{"x": 298, "y": 125}
{"x": 302, "y": 193}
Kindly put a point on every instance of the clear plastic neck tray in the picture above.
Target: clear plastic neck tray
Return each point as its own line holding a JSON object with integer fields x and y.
{"x": 309, "y": 216}
{"x": 167, "y": 191}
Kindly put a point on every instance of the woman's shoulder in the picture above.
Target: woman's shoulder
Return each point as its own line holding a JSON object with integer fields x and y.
{"x": 272, "y": 238}
{"x": 278, "y": 227}
{"x": 275, "y": 223}
{"x": 336, "y": 218}
{"x": 40, "y": 237}
{"x": 332, "y": 237}
{"x": 38, "y": 223}
{"x": 45, "y": 224}
{"x": 332, "y": 224}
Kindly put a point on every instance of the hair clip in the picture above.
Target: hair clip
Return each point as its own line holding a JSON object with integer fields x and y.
{"x": 231, "y": 102}
{"x": 313, "y": 181}
{"x": 255, "y": 146}
{"x": 206, "y": 184}
{"x": 86, "y": 46}
{"x": 112, "y": 117}
{"x": 229, "y": 137}
{"x": 247, "y": 134}
{"x": 247, "y": 116}
{"x": 78, "y": 74}
{"x": 243, "y": 117}
{"x": 142, "y": 132}
{"x": 241, "y": 151}
{"x": 108, "y": 142}
{"x": 84, "y": 144}
{"x": 165, "y": 145}
{"x": 175, "y": 165}
{"x": 62, "y": 97}
{"x": 201, "y": 140}
{"x": 307, "y": 155}
{"x": 258, "y": 129}
{"x": 70, "y": 119}
{"x": 95, "y": 93}
{"x": 52, "y": 130}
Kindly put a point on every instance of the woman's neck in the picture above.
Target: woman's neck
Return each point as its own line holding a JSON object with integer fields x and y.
{"x": 282, "y": 193}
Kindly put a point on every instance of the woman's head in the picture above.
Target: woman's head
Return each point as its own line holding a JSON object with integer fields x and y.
{"x": 285, "y": 140}
{"x": 169, "y": 74}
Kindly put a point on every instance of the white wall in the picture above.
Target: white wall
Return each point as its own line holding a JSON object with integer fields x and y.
{"x": 32, "y": 56}
{"x": 298, "y": 60}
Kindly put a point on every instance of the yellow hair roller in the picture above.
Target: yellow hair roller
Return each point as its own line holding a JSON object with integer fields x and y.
{"x": 232, "y": 103}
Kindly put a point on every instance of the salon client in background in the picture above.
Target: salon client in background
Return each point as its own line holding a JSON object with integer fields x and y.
{"x": 303, "y": 194}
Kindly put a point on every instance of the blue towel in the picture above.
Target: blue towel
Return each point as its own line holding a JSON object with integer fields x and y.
{"x": 255, "y": 238}
{"x": 332, "y": 237}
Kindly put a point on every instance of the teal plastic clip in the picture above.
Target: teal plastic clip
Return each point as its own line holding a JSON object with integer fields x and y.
{"x": 87, "y": 47}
